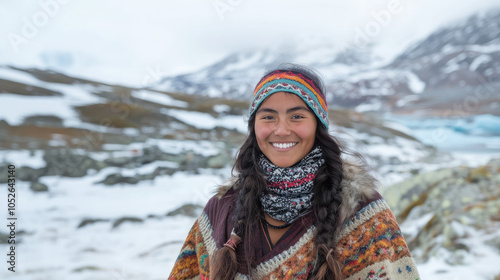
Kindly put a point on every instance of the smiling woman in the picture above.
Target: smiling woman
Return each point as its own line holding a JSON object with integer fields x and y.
{"x": 296, "y": 209}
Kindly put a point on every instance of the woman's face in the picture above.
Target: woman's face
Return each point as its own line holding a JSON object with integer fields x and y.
{"x": 285, "y": 128}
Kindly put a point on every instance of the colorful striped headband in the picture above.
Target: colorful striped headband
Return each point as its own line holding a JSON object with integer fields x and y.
{"x": 297, "y": 83}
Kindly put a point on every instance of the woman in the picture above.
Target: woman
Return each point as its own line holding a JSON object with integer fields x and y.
{"x": 296, "y": 209}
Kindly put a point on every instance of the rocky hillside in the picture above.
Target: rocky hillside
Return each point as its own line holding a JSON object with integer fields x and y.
{"x": 92, "y": 118}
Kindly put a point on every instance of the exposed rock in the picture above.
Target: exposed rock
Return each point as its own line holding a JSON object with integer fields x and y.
{"x": 447, "y": 205}
{"x": 127, "y": 162}
{"x": 39, "y": 187}
{"x": 219, "y": 161}
{"x": 192, "y": 162}
{"x": 4, "y": 237}
{"x": 495, "y": 243}
{"x": 190, "y": 210}
{"x": 65, "y": 162}
{"x": 457, "y": 258}
{"x": 89, "y": 221}
{"x": 4, "y": 178}
{"x": 43, "y": 120}
{"x": 160, "y": 171}
{"x": 118, "y": 222}
{"x": 117, "y": 178}
{"x": 26, "y": 173}
{"x": 151, "y": 154}
{"x": 88, "y": 268}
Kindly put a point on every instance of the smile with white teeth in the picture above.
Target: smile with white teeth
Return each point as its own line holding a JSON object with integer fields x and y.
{"x": 284, "y": 145}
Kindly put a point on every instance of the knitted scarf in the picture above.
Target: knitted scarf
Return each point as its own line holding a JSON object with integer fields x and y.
{"x": 289, "y": 190}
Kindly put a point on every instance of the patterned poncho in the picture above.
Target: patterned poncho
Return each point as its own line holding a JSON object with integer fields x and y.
{"x": 369, "y": 242}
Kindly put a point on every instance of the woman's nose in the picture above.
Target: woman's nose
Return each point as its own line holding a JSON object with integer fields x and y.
{"x": 282, "y": 129}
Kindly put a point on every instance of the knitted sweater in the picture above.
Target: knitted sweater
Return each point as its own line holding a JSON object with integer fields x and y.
{"x": 369, "y": 242}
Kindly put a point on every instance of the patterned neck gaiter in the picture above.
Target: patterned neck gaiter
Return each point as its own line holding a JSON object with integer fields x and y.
{"x": 289, "y": 190}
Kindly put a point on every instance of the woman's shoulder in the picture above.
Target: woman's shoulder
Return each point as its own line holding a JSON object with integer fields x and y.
{"x": 359, "y": 188}
{"x": 217, "y": 214}
{"x": 224, "y": 200}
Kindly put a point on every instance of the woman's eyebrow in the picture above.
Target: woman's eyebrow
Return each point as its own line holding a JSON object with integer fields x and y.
{"x": 267, "y": 110}
{"x": 291, "y": 110}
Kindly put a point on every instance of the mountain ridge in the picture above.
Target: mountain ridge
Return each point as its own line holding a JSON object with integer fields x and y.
{"x": 461, "y": 56}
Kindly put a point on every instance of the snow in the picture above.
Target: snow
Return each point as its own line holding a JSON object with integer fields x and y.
{"x": 416, "y": 85}
{"x": 221, "y": 108}
{"x": 366, "y": 107}
{"x": 204, "y": 148}
{"x": 146, "y": 250}
{"x": 206, "y": 121}
{"x": 478, "y": 61}
{"x": 479, "y": 263}
{"x": 413, "y": 227}
{"x": 74, "y": 95}
{"x": 484, "y": 49}
{"x": 407, "y": 99}
{"x": 15, "y": 108}
{"x": 20, "y": 158}
{"x": 17, "y": 76}
{"x": 160, "y": 98}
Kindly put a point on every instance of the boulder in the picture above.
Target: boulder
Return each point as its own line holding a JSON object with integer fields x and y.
{"x": 446, "y": 207}
{"x": 219, "y": 161}
{"x": 26, "y": 173}
{"x": 117, "y": 178}
{"x": 69, "y": 163}
{"x": 190, "y": 210}
{"x": 89, "y": 221}
{"x": 120, "y": 221}
{"x": 39, "y": 187}
{"x": 4, "y": 237}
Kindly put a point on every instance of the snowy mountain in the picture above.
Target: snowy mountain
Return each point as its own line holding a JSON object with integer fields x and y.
{"x": 462, "y": 58}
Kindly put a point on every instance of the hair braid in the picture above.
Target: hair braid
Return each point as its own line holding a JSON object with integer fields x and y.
{"x": 251, "y": 184}
{"x": 326, "y": 205}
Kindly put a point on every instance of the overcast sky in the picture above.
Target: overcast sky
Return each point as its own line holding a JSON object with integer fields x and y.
{"x": 123, "y": 40}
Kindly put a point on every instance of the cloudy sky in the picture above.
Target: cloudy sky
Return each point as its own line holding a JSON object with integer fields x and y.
{"x": 122, "y": 41}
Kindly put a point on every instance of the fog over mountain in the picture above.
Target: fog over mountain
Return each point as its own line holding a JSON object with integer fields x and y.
{"x": 458, "y": 58}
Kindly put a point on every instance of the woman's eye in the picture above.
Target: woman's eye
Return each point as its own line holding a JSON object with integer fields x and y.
{"x": 296, "y": 117}
{"x": 267, "y": 117}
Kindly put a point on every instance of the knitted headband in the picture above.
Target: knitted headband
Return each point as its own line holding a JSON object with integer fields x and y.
{"x": 293, "y": 82}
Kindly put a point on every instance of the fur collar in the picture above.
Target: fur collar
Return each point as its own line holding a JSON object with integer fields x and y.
{"x": 358, "y": 186}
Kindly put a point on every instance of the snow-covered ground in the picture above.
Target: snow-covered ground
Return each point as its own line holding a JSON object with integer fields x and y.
{"x": 53, "y": 247}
